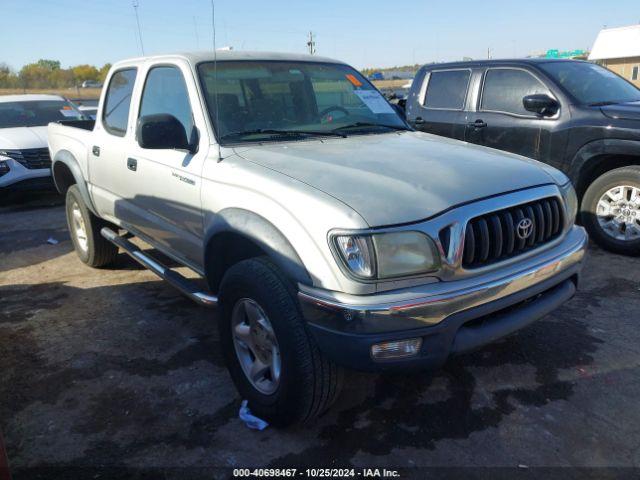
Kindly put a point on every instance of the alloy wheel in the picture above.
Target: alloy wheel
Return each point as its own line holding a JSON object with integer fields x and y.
{"x": 256, "y": 345}
{"x": 618, "y": 212}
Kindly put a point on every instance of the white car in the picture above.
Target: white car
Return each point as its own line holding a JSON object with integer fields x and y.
{"x": 24, "y": 155}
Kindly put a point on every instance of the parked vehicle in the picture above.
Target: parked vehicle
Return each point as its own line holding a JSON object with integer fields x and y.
{"x": 89, "y": 111}
{"x": 91, "y": 84}
{"x": 574, "y": 115}
{"x": 24, "y": 156}
{"x": 330, "y": 234}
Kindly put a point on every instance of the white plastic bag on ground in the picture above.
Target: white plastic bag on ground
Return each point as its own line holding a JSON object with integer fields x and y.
{"x": 249, "y": 419}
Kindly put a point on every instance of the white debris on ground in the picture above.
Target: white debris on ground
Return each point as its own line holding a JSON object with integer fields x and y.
{"x": 249, "y": 419}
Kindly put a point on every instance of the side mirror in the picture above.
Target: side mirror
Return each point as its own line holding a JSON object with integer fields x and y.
{"x": 163, "y": 131}
{"x": 541, "y": 104}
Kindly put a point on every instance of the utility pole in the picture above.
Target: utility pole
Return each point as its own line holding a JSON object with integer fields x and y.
{"x": 311, "y": 44}
{"x": 488, "y": 53}
{"x": 135, "y": 8}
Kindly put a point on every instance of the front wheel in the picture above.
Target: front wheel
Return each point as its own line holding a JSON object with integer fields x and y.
{"x": 84, "y": 229}
{"x": 273, "y": 360}
{"x": 611, "y": 210}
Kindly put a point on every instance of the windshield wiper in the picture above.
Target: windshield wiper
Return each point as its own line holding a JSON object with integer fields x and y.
{"x": 369, "y": 124}
{"x": 272, "y": 131}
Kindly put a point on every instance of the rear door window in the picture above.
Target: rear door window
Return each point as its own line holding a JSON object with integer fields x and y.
{"x": 115, "y": 114}
{"x": 447, "y": 89}
{"x": 504, "y": 89}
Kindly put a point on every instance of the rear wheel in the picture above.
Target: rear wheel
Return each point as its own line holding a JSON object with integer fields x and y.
{"x": 611, "y": 210}
{"x": 84, "y": 229}
{"x": 272, "y": 358}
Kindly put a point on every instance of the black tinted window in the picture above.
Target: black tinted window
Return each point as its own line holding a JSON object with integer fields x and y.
{"x": 505, "y": 88}
{"x": 590, "y": 83}
{"x": 166, "y": 92}
{"x": 118, "y": 102}
{"x": 447, "y": 89}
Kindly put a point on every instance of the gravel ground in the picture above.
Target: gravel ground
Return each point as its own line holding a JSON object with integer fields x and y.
{"x": 113, "y": 371}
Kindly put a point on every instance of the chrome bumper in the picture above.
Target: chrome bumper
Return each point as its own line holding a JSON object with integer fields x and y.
{"x": 430, "y": 304}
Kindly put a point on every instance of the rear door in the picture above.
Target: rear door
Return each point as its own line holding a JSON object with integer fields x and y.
{"x": 500, "y": 120}
{"x": 108, "y": 150}
{"x": 441, "y": 101}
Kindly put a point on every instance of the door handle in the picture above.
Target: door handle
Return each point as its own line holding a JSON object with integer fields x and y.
{"x": 132, "y": 164}
{"x": 419, "y": 121}
{"x": 477, "y": 124}
{"x": 96, "y": 151}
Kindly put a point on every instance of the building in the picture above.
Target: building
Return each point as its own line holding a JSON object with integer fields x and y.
{"x": 618, "y": 49}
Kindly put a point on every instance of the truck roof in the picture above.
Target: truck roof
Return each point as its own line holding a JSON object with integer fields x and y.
{"x": 496, "y": 62}
{"x": 29, "y": 97}
{"x": 223, "y": 55}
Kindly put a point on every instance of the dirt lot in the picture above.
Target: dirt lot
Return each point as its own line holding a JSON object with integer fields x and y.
{"x": 111, "y": 373}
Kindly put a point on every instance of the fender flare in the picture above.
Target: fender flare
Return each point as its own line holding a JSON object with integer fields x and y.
{"x": 590, "y": 151}
{"x": 67, "y": 158}
{"x": 261, "y": 232}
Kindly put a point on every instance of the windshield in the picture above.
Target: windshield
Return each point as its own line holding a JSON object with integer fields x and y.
{"x": 591, "y": 84}
{"x": 274, "y": 100}
{"x": 36, "y": 113}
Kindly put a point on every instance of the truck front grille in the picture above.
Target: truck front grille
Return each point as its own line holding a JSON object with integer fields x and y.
{"x": 31, "y": 158}
{"x": 510, "y": 232}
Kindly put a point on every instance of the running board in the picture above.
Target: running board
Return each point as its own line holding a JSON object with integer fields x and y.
{"x": 183, "y": 284}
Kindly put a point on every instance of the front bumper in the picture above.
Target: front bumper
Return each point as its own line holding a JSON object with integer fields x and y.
{"x": 21, "y": 178}
{"x": 450, "y": 317}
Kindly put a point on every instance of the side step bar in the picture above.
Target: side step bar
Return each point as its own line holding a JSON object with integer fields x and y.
{"x": 183, "y": 284}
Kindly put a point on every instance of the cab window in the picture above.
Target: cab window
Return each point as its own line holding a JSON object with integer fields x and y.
{"x": 447, "y": 89}
{"x": 115, "y": 115}
{"x": 504, "y": 89}
{"x": 165, "y": 91}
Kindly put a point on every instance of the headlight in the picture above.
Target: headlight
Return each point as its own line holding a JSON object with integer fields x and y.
{"x": 570, "y": 202}
{"x": 388, "y": 255}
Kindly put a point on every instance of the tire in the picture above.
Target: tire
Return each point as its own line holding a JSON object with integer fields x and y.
{"x": 308, "y": 382}
{"x": 91, "y": 247}
{"x": 592, "y": 216}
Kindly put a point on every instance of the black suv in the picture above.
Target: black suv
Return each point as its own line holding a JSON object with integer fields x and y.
{"x": 576, "y": 116}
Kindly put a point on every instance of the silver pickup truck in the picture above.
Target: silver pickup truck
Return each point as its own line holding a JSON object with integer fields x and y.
{"x": 330, "y": 233}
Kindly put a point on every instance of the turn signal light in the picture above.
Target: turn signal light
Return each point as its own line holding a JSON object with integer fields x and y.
{"x": 396, "y": 349}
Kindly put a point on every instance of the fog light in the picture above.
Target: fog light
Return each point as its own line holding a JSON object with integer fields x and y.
{"x": 397, "y": 349}
{"x": 4, "y": 168}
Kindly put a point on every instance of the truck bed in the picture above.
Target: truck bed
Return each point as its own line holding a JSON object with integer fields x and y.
{"x": 71, "y": 137}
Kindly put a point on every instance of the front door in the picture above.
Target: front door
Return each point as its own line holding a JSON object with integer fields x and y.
{"x": 165, "y": 186}
{"x": 502, "y": 122}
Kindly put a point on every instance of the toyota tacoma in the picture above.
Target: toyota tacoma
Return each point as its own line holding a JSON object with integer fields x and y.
{"x": 330, "y": 234}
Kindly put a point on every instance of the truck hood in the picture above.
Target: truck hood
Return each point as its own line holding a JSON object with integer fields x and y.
{"x": 399, "y": 177}
{"x": 20, "y": 138}
{"x": 622, "y": 111}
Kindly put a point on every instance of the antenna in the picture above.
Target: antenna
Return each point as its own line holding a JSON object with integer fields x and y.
{"x": 195, "y": 29}
{"x": 215, "y": 72}
{"x": 311, "y": 44}
{"x": 135, "y": 9}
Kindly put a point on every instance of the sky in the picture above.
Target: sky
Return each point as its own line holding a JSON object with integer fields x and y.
{"x": 363, "y": 33}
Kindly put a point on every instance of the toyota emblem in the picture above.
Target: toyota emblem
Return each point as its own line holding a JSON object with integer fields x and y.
{"x": 524, "y": 229}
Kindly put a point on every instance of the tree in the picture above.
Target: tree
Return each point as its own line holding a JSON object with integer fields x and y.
{"x": 103, "y": 72}
{"x": 8, "y": 78}
{"x": 49, "y": 64}
{"x": 85, "y": 72}
{"x": 34, "y": 75}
